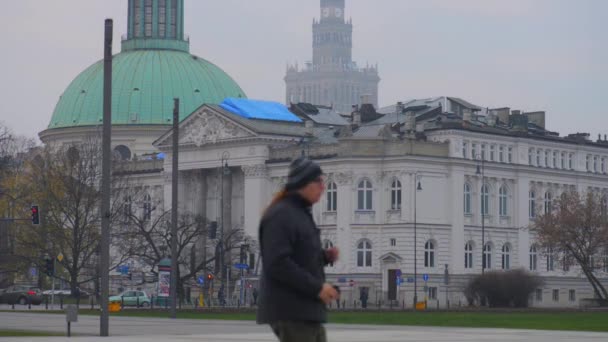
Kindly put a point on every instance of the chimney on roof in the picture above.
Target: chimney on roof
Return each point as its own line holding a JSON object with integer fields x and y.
{"x": 467, "y": 115}
{"x": 399, "y": 108}
{"x": 491, "y": 118}
{"x": 365, "y": 99}
{"x": 357, "y": 118}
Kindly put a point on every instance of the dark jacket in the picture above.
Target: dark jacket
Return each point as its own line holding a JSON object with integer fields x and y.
{"x": 292, "y": 264}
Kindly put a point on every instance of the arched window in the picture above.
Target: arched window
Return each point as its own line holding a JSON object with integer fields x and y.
{"x": 487, "y": 256}
{"x": 364, "y": 195}
{"x": 429, "y": 254}
{"x": 548, "y": 202}
{"x": 327, "y": 244}
{"x": 147, "y": 207}
{"x": 533, "y": 258}
{"x": 502, "y": 201}
{"x": 506, "y": 256}
{"x": 396, "y": 195}
{"x": 467, "y": 198}
{"x": 364, "y": 254}
{"x": 468, "y": 255}
{"x": 122, "y": 152}
{"x": 332, "y": 197}
{"x": 485, "y": 199}
{"x": 532, "y": 204}
{"x": 550, "y": 260}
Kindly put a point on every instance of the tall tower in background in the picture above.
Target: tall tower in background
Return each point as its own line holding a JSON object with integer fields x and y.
{"x": 332, "y": 78}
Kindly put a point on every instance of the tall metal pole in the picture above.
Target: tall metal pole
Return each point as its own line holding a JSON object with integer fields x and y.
{"x": 415, "y": 242}
{"x": 104, "y": 264}
{"x": 174, "y": 256}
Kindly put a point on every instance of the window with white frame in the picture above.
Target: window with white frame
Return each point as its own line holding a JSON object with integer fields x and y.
{"x": 487, "y": 256}
{"x": 588, "y": 163}
{"x": 565, "y": 263}
{"x": 501, "y": 154}
{"x": 429, "y": 254}
{"x": 332, "y": 197}
{"x": 468, "y": 255}
{"x": 364, "y": 254}
{"x": 474, "y": 151}
{"x": 502, "y": 201}
{"x": 147, "y": 207}
{"x": 571, "y": 161}
{"x": 396, "y": 195}
{"x": 532, "y": 204}
{"x": 554, "y": 159}
{"x": 563, "y": 160}
{"x": 492, "y": 152}
{"x": 595, "y": 166}
{"x": 506, "y": 256}
{"x": 550, "y": 261}
{"x": 485, "y": 199}
{"x": 548, "y": 202}
{"x": 533, "y": 258}
{"x": 483, "y": 152}
{"x": 432, "y": 293}
{"x": 547, "y": 158}
{"x": 539, "y": 295}
{"x": 530, "y": 156}
{"x": 510, "y": 155}
{"x": 467, "y": 198}
{"x": 538, "y": 153}
{"x": 364, "y": 195}
{"x": 465, "y": 147}
{"x": 572, "y": 295}
{"x": 556, "y": 295}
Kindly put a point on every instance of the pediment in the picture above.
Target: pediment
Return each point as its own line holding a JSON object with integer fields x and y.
{"x": 206, "y": 126}
{"x": 390, "y": 257}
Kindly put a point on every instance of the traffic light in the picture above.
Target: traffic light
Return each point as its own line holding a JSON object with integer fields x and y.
{"x": 49, "y": 267}
{"x": 213, "y": 229}
{"x": 209, "y": 276}
{"x": 35, "y": 215}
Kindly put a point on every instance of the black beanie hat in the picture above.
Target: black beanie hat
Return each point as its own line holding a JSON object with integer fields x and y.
{"x": 301, "y": 172}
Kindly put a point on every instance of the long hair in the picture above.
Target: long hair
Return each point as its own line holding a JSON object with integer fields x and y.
{"x": 279, "y": 196}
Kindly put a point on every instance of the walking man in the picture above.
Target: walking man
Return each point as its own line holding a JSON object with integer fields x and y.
{"x": 293, "y": 291}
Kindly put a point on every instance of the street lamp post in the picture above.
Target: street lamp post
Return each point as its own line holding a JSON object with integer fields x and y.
{"x": 224, "y": 171}
{"x": 484, "y": 207}
{"x": 418, "y": 187}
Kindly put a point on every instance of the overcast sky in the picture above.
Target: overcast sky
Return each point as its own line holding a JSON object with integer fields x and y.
{"x": 531, "y": 55}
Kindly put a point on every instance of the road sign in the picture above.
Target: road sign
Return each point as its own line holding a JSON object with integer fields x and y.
{"x": 201, "y": 279}
{"x": 123, "y": 269}
{"x": 60, "y": 257}
{"x": 425, "y": 277}
{"x": 410, "y": 279}
{"x": 33, "y": 271}
{"x": 342, "y": 280}
{"x": 241, "y": 266}
{"x": 398, "y": 272}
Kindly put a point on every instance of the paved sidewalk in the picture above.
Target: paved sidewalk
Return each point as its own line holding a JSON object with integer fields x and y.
{"x": 130, "y": 329}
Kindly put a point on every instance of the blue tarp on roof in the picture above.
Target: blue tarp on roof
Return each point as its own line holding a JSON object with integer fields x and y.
{"x": 257, "y": 109}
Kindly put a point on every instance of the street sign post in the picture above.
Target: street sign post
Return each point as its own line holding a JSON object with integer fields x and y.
{"x": 241, "y": 266}
{"x": 201, "y": 280}
{"x": 425, "y": 277}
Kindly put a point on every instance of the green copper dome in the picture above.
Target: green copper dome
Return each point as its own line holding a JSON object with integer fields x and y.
{"x": 144, "y": 83}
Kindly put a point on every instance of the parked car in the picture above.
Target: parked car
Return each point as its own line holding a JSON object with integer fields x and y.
{"x": 130, "y": 298}
{"x": 66, "y": 292}
{"x": 19, "y": 294}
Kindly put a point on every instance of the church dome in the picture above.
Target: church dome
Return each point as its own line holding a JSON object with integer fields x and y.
{"x": 144, "y": 84}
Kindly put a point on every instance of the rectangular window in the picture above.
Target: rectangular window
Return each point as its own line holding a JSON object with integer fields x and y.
{"x": 563, "y": 160}
{"x": 595, "y": 168}
{"x": 501, "y": 154}
{"x": 393, "y": 242}
{"x": 432, "y": 293}
{"x": 530, "y": 156}
{"x": 571, "y": 161}
{"x": 162, "y": 18}
{"x": 148, "y": 18}
{"x": 556, "y": 295}
{"x": 137, "y": 17}
{"x": 588, "y": 163}
{"x": 173, "y": 23}
{"x": 483, "y": 152}
{"x": 510, "y": 155}
{"x": 465, "y": 147}
{"x": 538, "y": 152}
{"x": 572, "y": 295}
{"x": 547, "y": 158}
{"x": 539, "y": 295}
{"x": 492, "y": 152}
{"x": 554, "y": 159}
{"x": 474, "y": 151}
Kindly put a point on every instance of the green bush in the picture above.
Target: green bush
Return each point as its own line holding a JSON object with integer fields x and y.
{"x": 502, "y": 289}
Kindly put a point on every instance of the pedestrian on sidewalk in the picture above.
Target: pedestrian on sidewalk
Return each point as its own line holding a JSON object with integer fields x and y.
{"x": 293, "y": 292}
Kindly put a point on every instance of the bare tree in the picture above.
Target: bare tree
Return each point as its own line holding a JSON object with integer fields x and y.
{"x": 577, "y": 227}
{"x": 64, "y": 182}
{"x": 145, "y": 235}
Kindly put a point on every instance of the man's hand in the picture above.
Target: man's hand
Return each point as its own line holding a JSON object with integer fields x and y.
{"x": 328, "y": 294}
{"x": 332, "y": 254}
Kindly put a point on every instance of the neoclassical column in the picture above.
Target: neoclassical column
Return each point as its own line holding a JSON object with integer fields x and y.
{"x": 457, "y": 214}
{"x": 256, "y": 196}
{"x": 344, "y": 181}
